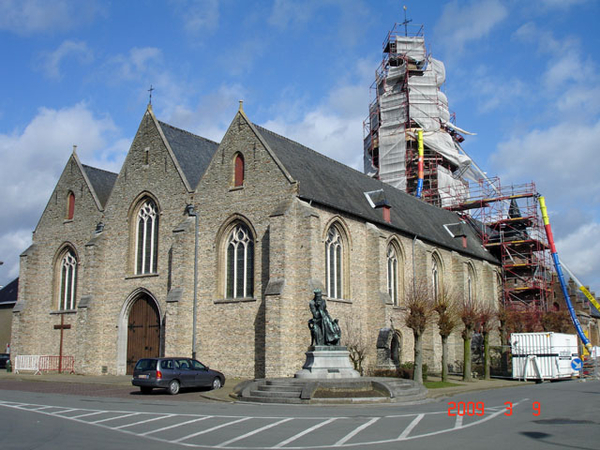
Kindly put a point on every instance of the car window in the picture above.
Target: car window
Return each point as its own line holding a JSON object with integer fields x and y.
{"x": 197, "y": 365}
{"x": 145, "y": 364}
{"x": 166, "y": 364}
{"x": 183, "y": 364}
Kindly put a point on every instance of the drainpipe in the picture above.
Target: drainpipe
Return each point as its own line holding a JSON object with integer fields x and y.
{"x": 192, "y": 213}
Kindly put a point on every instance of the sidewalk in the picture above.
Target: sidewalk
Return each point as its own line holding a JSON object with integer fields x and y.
{"x": 473, "y": 386}
{"x": 124, "y": 381}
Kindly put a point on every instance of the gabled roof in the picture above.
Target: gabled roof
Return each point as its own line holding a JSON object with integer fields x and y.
{"x": 102, "y": 182}
{"x": 340, "y": 187}
{"x": 8, "y": 294}
{"x": 193, "y": 153}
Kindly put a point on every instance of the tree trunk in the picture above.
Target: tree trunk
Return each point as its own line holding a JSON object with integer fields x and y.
{"x": 444, "y": 358}
{"x": 486, "y": 355}
{"x": 467, "y": 356}
{"x": 418, "y": 367}
{"x": 504, "y": 349}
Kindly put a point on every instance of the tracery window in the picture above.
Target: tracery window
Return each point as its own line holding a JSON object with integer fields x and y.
{"x": 334, "y": 253}
{"x": 470, "y": 283}
{"x": 146, "y": 247}
{"x": 240, "y": 263}
{"x": 68, "y": 281}
{"x": 393, "y": 276}
{"x": 436, "y": 276}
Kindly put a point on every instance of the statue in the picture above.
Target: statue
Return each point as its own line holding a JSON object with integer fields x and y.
{"x": 323, "y": 329}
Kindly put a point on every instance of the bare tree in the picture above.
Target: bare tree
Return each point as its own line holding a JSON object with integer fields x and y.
{"x": 420, "y": 305}
{"x": 487, "y": 319}
{"x": 445, "y": 306}
{"x": 469, "y": 314}
{"x": 356, "y": 344}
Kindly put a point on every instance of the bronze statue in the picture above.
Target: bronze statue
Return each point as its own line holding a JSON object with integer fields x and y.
{"x": 323, "y": 329}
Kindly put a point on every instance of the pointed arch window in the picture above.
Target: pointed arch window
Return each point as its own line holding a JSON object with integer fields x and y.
{"x": 334, "y": 260}
{"x": 238, "y": 170}
{"x": 470, "y": 288}
{"x": 394, "y": 273}
{"x": 240, "y": 263}
{"x": 70, "y": 206}
{"x": 146, "y": 247}
{"x": 436, "y": 276}
{"x": 68, "y": 281}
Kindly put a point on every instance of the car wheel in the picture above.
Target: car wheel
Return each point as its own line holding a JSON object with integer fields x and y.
{"x": 173, "y": 387}
{"x": 216, "y": 384}
{"x": 145, "y": 389}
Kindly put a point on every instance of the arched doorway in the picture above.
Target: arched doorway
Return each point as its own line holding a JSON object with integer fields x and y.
{"x": 143, "y": 331}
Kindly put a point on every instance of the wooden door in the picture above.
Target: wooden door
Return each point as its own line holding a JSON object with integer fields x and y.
{"x": 143, "y": 332}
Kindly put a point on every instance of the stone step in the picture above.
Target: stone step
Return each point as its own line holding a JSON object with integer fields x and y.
{"x": 285, "y": 382}
{"x": 280, "y": 388}
{"x": 276, "y": 394}
{"x": 285, "y": 400}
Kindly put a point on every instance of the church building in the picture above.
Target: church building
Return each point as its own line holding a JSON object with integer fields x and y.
{"x": 215, "y": 249}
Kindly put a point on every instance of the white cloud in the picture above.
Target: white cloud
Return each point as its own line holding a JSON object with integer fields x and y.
{"x": 32, "y": 161}
{"x": 333, "y": 127}
{"x": 561, "y": 159}
{"x": 26, "y": 17}
{"x": 462, "y": 23}
{"x": 580, "y": 250}
{"x": 133, "y": 65}
{"x": 198, "y": 16}
{"x": 286, "y": 14}
{"x": 51, "y": 61}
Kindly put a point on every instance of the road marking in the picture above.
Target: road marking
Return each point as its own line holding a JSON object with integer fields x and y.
{"x": 459, "y": 422}
{"x": 174, "y": 426}
{"x": 305, "y": 432}
{"x": 356, "y": 431}
{"x": 252, "y": 433}
{"x": 185, "y": 438}
{"x": 164, "y": 416}
{"x": 63, "y": 410}
{"x": 343, "y": 443}
{"x": 86, "y": 414}
{"x": 114, "y": 418}
{"x": 411, "y": 427}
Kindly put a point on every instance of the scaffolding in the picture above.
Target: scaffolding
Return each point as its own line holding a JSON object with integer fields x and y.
{"x": 511, "y": 228}
{"x": 407, "y": 97}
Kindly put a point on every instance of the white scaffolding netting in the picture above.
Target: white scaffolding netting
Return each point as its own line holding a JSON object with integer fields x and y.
{"x": 426, "y": 105}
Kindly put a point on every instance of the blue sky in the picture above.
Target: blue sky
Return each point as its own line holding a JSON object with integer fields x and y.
{"x": 524, "y": 76}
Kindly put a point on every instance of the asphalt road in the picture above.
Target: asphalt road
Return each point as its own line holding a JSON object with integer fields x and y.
{"x": 551, "y": 415}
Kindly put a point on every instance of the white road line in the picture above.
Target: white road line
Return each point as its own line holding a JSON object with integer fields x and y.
{"x": 356, "y": 431}
{"x": 88, "y": 414}
{"x": 305, "y": 432}
{"x": 114, "y": 418}
{"x": 164, "y": 416}
{"x": 252, "y": 433}
{"x": 410, "y": 427}
{"x": 65, "y": 410}
{"x": 174, "y": 426}
{"x": 459, "y": 421}
{"x": 243, "y": 419}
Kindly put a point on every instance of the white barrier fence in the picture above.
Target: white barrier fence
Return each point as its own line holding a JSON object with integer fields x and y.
{"x": 44, "y": 363}
{"x": 27, "y": 363}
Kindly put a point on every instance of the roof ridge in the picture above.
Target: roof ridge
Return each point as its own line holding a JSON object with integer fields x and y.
{"x": 97, "y": 168}
{"x": 185, "y": 131}
{"x": 316, "y": 152}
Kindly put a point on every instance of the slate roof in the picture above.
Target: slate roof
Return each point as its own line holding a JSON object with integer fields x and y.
{"x": 8, "y": 294}
{"x": 338, "y": 186}
{"x": 102, "y": 182}
{"x": 192, "y": 152}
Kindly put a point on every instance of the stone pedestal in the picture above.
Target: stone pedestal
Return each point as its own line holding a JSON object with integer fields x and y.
{"x": 327, "y": 362}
